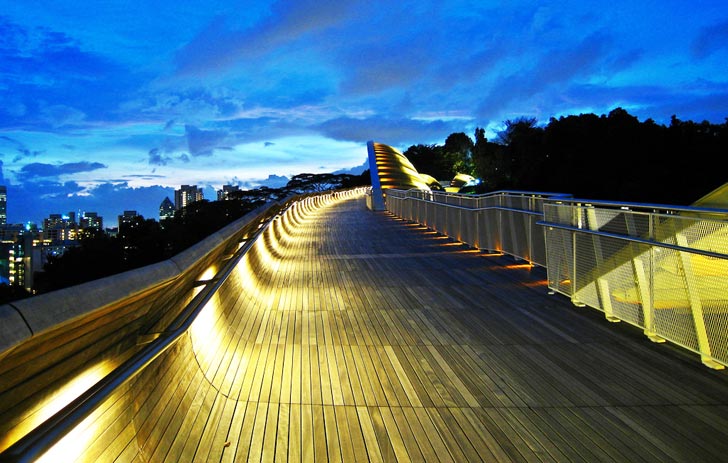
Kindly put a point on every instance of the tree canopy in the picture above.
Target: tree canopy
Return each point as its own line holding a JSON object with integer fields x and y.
{"x": 611, "y": 157}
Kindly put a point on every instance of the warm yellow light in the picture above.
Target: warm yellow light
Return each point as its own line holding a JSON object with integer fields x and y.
{"x": 59, "y": 399}
{"x": 73, "y": 444}
{"x": 519, "y": 266}
{"x": 208, "y": 274}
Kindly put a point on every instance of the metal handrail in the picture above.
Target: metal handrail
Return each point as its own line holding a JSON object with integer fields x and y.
{"x": 634, "y": 239}
{"x": 639, "y": 206}
{"x": 500, "y": 208}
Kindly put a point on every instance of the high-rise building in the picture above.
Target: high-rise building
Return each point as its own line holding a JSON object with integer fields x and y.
{"x": 20, "y": 262}
{"x": 3, "y": 204}
{"x": 61, "y": 228}
{"x": 226, "y": 192}
{"x": 128, "y": 221}
{"x": 166, "y": 209}
{"x": 91, "y": 220}
{"x": 128, "y": 217}
{"x": 187, "y": 195}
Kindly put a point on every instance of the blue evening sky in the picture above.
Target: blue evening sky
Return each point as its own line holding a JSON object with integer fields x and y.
{"x": 110, "y": 105}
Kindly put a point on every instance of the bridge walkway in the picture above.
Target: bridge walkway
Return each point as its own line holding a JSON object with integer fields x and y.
{"x": 356, "y": 336}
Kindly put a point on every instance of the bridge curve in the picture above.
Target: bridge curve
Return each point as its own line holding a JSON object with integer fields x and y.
{"x": 350, "y": 335}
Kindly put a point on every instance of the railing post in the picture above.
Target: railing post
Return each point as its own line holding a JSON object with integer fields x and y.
{"x": 576, "y": 221}
{"x": 602, "y": 284}
{"x": 696, "y": 305}
{"x": 645, "y": 285}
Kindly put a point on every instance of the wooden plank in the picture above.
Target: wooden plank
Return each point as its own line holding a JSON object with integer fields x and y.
{"x": 308, "y": 439}
{"x": 234, "y": 433}
{"x": 282, "y": 433}
{"x": 369, "y": 435}
{"x": 333, "y": 439}
{"x": 320, "y": 436}
{"x": 257, "y": 433}
{"x": 295, "y": 443}
{"x": 395, "y": 437}
{"x": 345, "y": 435}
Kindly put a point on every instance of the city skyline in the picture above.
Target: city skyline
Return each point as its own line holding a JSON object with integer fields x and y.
{"x": 114, "y": 107}
{"x": 153, "y": 212}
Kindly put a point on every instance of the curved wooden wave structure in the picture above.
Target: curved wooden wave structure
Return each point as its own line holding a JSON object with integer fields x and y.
{"x": 53, "y": 347}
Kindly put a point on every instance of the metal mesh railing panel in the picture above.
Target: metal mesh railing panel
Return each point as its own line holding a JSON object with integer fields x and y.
{"x": 538, "y": 243}
{"x": 515, "y": 234}
{"x": 559, "y": 259}
{"x": 468, "y": 227}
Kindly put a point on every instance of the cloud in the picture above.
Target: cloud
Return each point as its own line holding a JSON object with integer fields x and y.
{"x": 711, "y": 39}
{"x": 219, "y": 47}
{"x": 43, "y": 170}
{"x": 189, "y": 104}
{"x": 143, "y": 176}
{"x": 275, "y": 181}
{"x": 546, "y": 81}
{"x": 204, "y": 142}
{"x": 157, "y": 158}
{"x": 61, "y": 116}
{"x": 21, "y": 151}
{"x": 386, "y": 130}
{"x": 55, "y": 81}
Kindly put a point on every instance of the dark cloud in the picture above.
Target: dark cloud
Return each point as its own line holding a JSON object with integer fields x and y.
{"x": 158, "y": 158}
{"x": 711, "y": 40}
{"x": 39, "y": 169}
{"x": 21, "y": 151}
{"x": 204, "y": 142}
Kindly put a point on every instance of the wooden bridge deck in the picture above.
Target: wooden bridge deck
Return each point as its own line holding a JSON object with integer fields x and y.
{"x": 366, "y": 338}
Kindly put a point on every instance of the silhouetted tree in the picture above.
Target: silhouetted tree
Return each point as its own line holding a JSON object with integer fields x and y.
{"x": 430, "y": 160}
{"x": 458, "y": 153}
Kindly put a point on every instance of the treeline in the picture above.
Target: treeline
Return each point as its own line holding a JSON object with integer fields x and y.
{"x": 146, "y": 241}
{"x": 610, "y": 157}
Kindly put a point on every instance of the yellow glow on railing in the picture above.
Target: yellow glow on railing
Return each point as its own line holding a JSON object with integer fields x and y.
{"x": 59, "y": 399}
{"x": 271, "y": 263}
{"x": 205, "y": 337}
{"x": 208, "y": 274}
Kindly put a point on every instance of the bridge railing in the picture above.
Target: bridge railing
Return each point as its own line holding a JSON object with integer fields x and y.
{"x": 661, "y": 268}
{"x": 503, "y": 221}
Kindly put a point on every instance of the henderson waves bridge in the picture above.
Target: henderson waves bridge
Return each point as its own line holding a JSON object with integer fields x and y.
{"x": 424, "y": 327}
